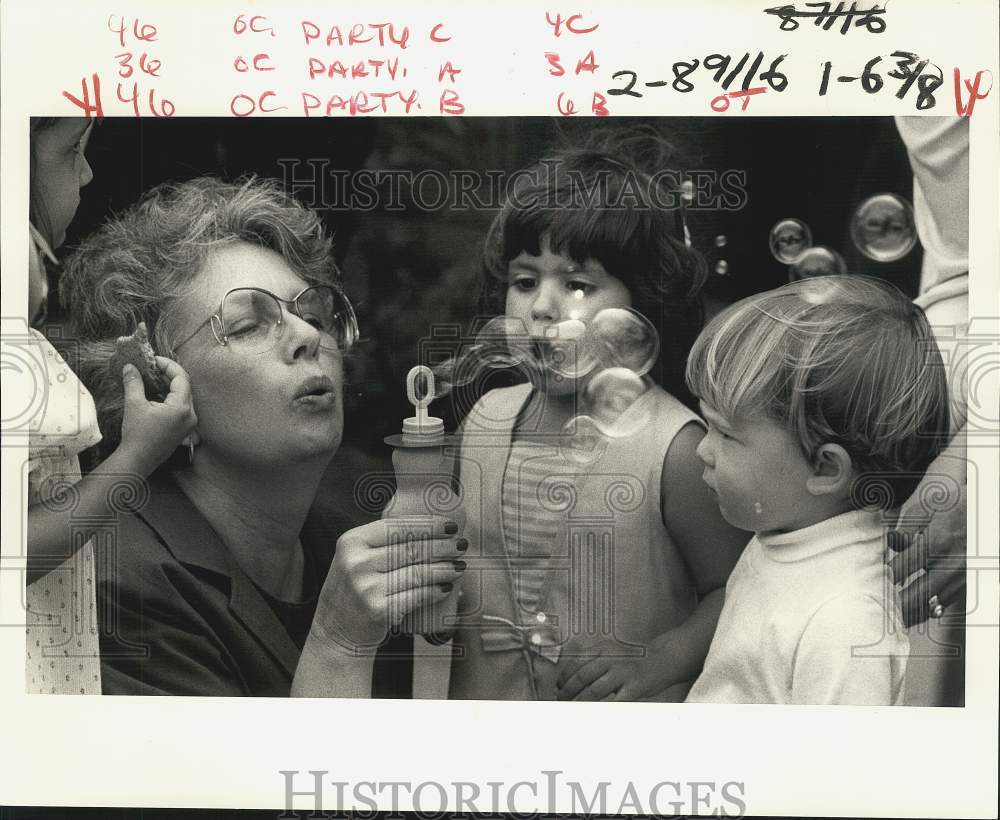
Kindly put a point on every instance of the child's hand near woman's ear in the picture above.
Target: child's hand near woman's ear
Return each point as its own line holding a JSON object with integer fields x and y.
{"x": 152, "y": 430}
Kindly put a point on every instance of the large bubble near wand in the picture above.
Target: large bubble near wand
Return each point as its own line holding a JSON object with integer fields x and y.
{"x": 607, "y": 356}
{"x": 501, "y": 344}
{"x": 504, "y": 341}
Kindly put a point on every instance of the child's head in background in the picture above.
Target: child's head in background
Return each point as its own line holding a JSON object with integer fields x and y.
{"x": 825, "y": 395}
{"x": 58, "y": 170}
{"x": 590, "y": 228}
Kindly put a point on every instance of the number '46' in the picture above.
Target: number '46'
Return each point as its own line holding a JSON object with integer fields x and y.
{"x": 166, "y": 107}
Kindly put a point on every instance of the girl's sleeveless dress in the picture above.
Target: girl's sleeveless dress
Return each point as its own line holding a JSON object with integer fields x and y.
{"x": 564, "y": 542}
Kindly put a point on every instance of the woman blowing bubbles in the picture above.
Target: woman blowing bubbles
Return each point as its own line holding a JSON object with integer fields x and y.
{"x": 214, "y": 582}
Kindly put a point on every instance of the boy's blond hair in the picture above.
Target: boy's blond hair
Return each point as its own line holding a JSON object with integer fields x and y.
{"x": 842, "y": 359}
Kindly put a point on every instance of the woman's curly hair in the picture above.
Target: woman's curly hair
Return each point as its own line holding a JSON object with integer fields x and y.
{"x": 142, "y": 260}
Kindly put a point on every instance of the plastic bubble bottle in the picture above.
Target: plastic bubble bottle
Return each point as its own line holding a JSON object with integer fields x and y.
{"x": 423, "y": 488}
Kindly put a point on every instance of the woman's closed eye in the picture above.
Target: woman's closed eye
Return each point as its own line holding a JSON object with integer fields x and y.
{"x": 314, "y": 319}
{"x": 244, "y": 326}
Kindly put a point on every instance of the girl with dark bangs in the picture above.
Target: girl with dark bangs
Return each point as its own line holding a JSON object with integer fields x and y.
{"x": 590, "y": 204}
{"x": 602, "y": 557}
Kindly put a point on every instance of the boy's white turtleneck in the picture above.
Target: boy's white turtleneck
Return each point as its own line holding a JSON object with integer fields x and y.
{"x": 811, "y": 617}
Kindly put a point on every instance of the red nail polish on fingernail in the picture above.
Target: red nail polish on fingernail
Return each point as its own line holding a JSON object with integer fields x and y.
{"x": 462, "y": 544}
{"x": 450, "y": 528}
{"x": 446, "y": 587}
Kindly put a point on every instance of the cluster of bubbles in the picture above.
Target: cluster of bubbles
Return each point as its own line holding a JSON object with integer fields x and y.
{"x": 791, "y": 244}
{"x": 882, "y": 228}
{"x": 608, "y": 357}
{"x": 623, "y": 345}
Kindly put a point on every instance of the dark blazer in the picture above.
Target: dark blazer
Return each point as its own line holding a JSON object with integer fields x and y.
{"x": 179, "y": 617}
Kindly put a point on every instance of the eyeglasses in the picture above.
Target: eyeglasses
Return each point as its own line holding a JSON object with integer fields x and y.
{"x": 251, "y": 319}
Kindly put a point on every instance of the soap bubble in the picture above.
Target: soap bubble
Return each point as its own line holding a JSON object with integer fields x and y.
{"x": 609, "y": 395}
{"x": 789, "y": 239}
{"x": 567, "y": 350}
{"x": 582, "y": 441}
{"x": 883, "y": 228}
{"x": 613, "y": 410}
{"x": 622, "y": 337}
{"x": 818, "y": 261}
{"x": 571, "y": 349}
{"x": 502, "y": 343}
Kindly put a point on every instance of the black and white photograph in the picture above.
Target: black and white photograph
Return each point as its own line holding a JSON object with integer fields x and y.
{"x": 499, "y": 409}
{"x": 526, "y": 409}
